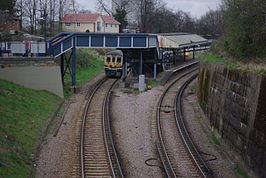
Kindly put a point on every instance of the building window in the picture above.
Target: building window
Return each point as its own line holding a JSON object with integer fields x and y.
{"x": 106, "y": 25}
{"x": 78, "y": 24}
{"x": 111, "y": 25}
{"x": 115, "y": 26}
{"x": 67, "y": 24}
{"x": 98, "y": 26}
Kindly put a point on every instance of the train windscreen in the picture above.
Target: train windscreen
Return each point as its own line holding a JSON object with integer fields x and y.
{"x": 108, "y": 59}
{"x": 118, "y": 60}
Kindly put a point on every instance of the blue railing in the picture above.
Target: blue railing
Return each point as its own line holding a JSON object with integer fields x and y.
{"x": 65, "y": 41}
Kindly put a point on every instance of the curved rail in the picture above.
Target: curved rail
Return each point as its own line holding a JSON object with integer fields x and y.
{"x": 83, "y": 124}
{"x": 195, "y": 155}
{"x": 107, "y": 143}
{"x": 107, "y": 131}
{"x": 166, "y": 163}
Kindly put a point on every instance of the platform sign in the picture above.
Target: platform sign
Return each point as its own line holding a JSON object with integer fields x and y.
{"x": 37, "y": 47}
{"x": 42, "y": 47}
{"x": 34, "y": 47}
{"x": 18, "y": 47}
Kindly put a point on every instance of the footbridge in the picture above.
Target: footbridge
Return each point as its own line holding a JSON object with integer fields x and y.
{"x": 139, "y": 45}
{"x": 142, "y": 51}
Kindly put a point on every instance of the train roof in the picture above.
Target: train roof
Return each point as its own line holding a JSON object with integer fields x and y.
{"x": 116, "y": 52}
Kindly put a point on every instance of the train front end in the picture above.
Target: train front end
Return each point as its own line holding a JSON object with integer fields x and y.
{"x": 113, "y": 65}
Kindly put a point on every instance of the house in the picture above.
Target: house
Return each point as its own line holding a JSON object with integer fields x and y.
{"x": 94, "y": 23}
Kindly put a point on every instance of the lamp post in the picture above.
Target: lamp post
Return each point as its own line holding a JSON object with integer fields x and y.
{"x": 44, "y": 29}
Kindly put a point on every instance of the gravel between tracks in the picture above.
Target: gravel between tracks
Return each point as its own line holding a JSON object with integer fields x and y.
{"x": 133, "y": 121}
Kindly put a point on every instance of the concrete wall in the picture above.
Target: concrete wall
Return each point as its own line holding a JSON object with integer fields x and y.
{"x": 39, "y": 77}
{"x": 235, "y": 104}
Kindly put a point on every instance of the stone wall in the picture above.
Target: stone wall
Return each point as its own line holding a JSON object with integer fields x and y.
{"x": 235, "y": 103}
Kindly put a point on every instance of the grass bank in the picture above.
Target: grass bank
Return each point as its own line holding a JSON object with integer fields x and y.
{"x": 89, "y": 62}
{"x": 23, "y": 115}
{"x": 258, "y": 68}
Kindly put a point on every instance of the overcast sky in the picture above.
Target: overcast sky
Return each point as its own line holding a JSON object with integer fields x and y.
{"x": 196, "y": 8}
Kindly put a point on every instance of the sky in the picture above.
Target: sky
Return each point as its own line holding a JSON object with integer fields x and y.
{"x": 196, "y": 8}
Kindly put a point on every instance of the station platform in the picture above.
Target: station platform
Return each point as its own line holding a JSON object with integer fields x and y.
{"x": 163, "y": 76}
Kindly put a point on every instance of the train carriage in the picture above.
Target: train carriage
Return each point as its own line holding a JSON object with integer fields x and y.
{"x": 113, "y": 64}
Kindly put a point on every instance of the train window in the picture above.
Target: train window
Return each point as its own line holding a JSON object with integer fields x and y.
{"x": 108, "y": 59}
{"x": 118, "y": 60}
{"x": 113, "y": 59}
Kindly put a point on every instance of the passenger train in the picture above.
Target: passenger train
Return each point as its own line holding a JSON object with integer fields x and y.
{"x": 113, "y": 64}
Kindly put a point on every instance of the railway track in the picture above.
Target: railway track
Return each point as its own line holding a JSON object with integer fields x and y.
{"x": 179, "y": 156}
{"x": 97, "y": 150}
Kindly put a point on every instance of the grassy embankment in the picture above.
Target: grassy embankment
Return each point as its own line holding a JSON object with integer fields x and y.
{"x": 89, "y": 62}
{"x": 24, "y": 113}
{"x": 253, "y": 67}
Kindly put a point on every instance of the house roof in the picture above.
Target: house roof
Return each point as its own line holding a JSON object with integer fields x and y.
{"x": 87, "y": 18}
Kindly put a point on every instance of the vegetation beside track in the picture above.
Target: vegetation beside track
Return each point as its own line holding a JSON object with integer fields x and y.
{"x": 241, "y": 46}
{"x": 254, "y": 67}
{"x": 89, "y": 62}
{"x": 23, "y": 115}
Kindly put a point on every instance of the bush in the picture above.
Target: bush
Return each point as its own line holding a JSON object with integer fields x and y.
{"x": 245, "y": 34}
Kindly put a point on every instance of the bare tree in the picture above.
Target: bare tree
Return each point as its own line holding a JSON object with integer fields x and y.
{"x": 30, "y": 12}
{"x": 103, "y": 7}
{"x": 210, "y": 23}
{"x": 40, "y": 14}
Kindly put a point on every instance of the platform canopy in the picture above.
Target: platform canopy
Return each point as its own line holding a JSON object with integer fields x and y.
{"x": 179, "y": 40}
